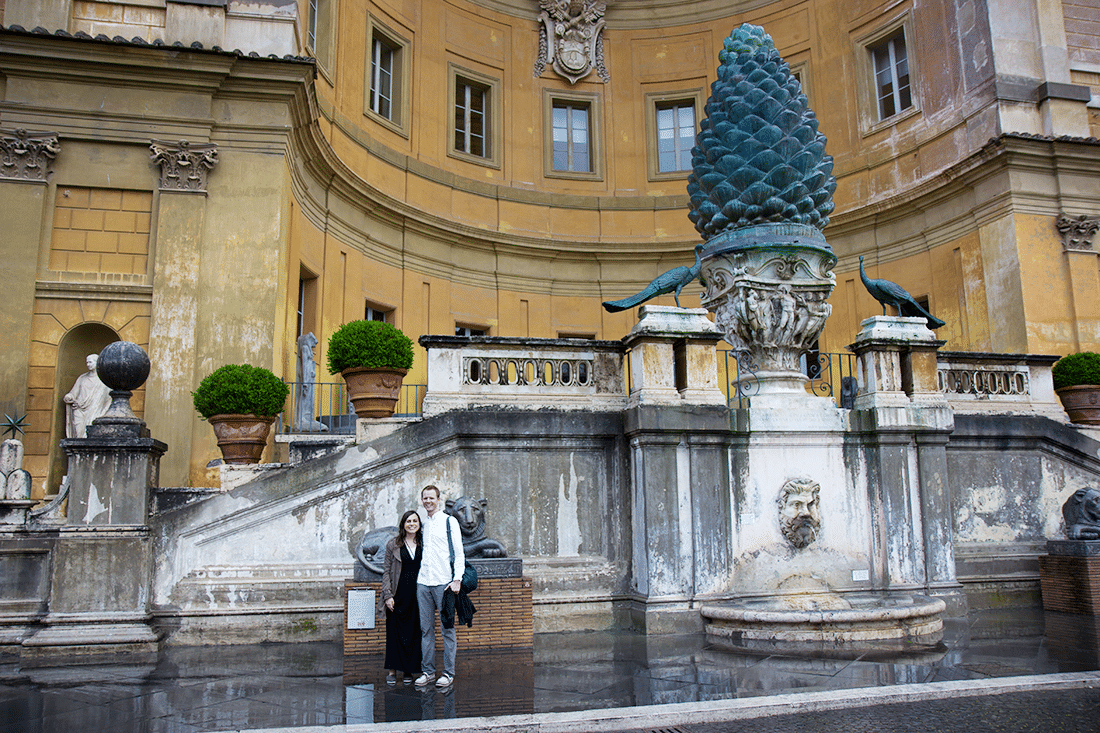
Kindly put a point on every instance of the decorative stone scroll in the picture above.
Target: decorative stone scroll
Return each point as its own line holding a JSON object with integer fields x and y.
{"x": 26, "y": 156}
{"x": 1077, "y": 232}
{"x": 183, "y": 166}
{"x": 571, "y": 38}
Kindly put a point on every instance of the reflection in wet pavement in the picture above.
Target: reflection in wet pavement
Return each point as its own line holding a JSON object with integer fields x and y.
{"x": 232, "y": 687}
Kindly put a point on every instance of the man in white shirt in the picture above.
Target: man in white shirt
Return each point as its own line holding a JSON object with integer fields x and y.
{"x": 437, "y": 574}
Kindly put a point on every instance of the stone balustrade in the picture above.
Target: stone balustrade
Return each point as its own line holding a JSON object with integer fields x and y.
{"x": 466, "y": 372}
{"x": 998, "y": 383}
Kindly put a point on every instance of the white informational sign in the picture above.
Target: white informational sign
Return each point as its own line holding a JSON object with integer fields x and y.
{"x": 361, "y": 608}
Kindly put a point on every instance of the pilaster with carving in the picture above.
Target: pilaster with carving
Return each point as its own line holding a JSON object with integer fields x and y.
{"x": 183, "y": 165}
{"x": 27, "y": 156}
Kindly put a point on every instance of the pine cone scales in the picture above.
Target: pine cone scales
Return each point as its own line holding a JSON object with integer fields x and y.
{"x": 758, "y": 156}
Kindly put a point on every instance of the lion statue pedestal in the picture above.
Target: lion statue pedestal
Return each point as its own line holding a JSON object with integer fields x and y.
{"x": 1070, "y": 571}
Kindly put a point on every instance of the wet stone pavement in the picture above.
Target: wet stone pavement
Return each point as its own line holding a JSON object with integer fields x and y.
{"x": 292, "y": 685}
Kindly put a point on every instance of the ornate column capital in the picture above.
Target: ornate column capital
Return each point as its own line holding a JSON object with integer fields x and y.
{"x": 183, "y": 166}
{"x": 26, "y": 156}
{"x": 1077, "y": 232}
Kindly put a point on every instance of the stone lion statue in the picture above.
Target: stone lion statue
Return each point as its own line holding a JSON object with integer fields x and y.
{"x": 1082, "y": 515}
{"x": 471, "y": 520}
{"x": 371, "y": 550}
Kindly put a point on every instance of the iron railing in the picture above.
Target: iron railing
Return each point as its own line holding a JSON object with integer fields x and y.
{"x": 830, "y": 375}
{"x": 332, "y": 411}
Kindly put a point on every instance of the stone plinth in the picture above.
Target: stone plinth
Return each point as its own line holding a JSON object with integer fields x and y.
{"x": 1069, "y": 575}
{"x": 672, "y": 357}
{"x": 110, "y": 479}
{"x": 99, "y": 595}
{"x": 896, "y": 363}
{"x": 503, "y": 619}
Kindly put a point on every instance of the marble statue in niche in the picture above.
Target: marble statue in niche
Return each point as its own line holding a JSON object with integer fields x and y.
{"x": 88, "y": 399}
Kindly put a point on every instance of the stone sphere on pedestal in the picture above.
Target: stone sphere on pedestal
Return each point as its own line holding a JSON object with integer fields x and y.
{"x": 123, "y": 365}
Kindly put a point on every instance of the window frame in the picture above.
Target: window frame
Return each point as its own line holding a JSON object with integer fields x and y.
{"x": 400, "y": 77}
{"x": 492, "y": 112}
{"x": 654, "y": 100}
{"x": 373, "y": 307}
{"x": 551, "y": 97}
{"x": 869, "y": 114}
{"x": 322, "y": 19}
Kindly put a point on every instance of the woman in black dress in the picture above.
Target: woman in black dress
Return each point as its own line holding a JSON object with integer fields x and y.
{"x": 402, "y": 565}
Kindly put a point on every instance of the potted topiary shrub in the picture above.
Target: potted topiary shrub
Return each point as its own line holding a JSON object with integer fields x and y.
{"x": 1077, "y": 383}
{"x": 240, "y": 402}
{"x": 373, "y": 357}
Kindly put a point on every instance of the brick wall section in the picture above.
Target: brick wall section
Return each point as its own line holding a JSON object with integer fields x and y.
{"x": 1070, "y": 584}
{"x": 503, "y": 619}
{"x": 100, "y": 230}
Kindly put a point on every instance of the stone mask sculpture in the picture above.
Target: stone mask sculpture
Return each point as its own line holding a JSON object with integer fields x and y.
{"x": 799, "y": 512}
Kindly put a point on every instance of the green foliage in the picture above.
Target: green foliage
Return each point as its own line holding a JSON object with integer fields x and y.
{"x": 240, "y": 389}
{"x": 369, "y": 345}
{"x": 1077, "y": 369}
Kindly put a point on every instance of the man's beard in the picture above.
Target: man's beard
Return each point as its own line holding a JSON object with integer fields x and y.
{"x": 802, "y": 531}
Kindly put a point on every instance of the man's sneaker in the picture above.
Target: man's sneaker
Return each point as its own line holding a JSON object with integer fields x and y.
{"x": 444, "y": 680}
{"x": 424, "y": 679}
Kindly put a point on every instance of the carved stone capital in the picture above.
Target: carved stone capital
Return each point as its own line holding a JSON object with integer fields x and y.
{"x": 1077, "y": 232}
{"x": 183, "y": 166}
{"x": 771, "y": 304}
{"x": 26, "y": 156}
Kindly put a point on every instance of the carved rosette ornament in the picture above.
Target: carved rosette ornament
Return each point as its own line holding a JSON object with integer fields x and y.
{"x": 571, "y": 39}
{"x": 761, "y": 192}
{"x": 26, "y": 156}
{"x": 183, "y": 166}
{"x": 1077, "y": 232}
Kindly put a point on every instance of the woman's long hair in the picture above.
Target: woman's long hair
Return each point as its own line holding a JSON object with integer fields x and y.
{"x": 401, "y": 528}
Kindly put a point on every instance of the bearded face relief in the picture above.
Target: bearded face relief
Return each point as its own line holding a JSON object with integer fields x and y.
{"x": 799, "y": 515}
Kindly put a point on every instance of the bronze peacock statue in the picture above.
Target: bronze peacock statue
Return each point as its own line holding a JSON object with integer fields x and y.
{"x": 890, "y": 293}
{"x": 672, "y": 281}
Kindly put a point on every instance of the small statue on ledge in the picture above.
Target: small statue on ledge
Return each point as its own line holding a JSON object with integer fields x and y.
{"x": 1082, "y": 515}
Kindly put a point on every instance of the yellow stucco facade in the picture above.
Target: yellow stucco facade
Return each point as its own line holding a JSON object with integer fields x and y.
{"x": 323, "y": 204}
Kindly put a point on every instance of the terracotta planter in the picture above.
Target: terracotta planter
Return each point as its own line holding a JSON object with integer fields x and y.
{"x": 241, "y": 437}
{"x": 1082, "y": 403}
{"x": 374, "y": 392}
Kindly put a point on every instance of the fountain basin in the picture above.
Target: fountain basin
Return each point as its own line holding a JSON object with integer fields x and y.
{"x": 827, "y": 618}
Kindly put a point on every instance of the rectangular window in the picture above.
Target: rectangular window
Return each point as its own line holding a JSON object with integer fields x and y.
{"x": 891, "y": 68}
{"x": 319, "y": 32}
{"x": 572, "y": 149}
{"x": 377, "y": 314}
{"x": 381, "y": 86}
{"x": 675, "y": 136}
{"x": 469, "y": 331}
{"x": 471, "y": 125}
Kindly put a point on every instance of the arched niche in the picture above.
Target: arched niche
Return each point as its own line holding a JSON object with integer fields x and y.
{"x": 72, "y": 353}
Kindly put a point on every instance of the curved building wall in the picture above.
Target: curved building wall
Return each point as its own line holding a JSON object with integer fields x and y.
{"x": 324, "y": 206}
